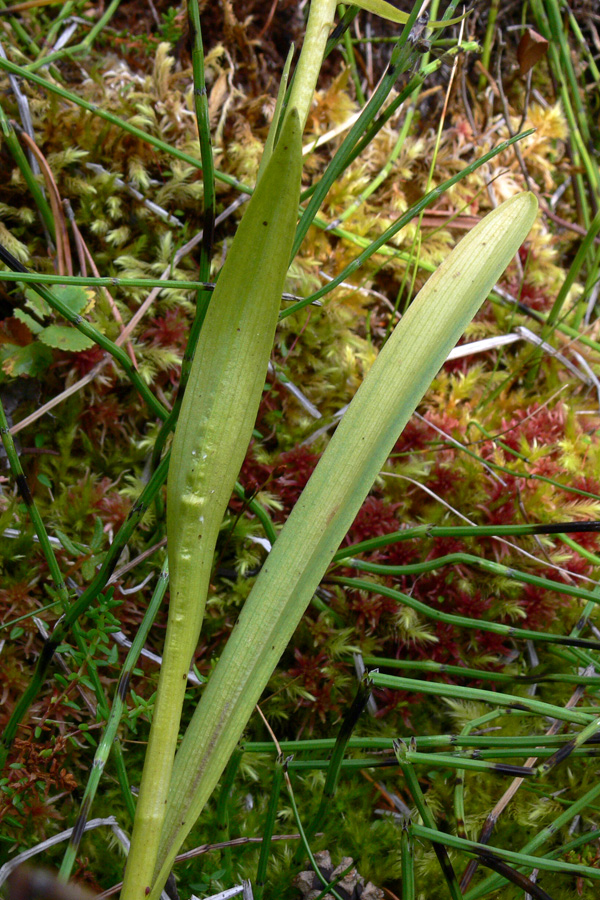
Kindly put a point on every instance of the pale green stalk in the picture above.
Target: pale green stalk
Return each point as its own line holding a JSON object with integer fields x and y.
{"x": 215, "y": 425}
{"x": 382, "y": 406}
{"x": 320, "y": 20}
{"x": 113, "y": 721}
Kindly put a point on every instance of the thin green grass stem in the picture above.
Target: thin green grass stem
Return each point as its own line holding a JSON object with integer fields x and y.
{"x": 20, "y": 157}
{"x": 560, "y": 44}
{"x": 348, "y": 16}
{"x": 268, "y": 828}
{"x": 259, "y": 511}
{"x": 519, "y": 859}
{"x": 225, "y": 790}
{"x": 543, "y": 752}
{"x": 479, "y": 674}
{"x": 583, "y": 551}
{"x": 83, "y": 46}
{"x": 469, "y": 559}
{"x": 459, "y": 781}
{"x": 328, "y": 890}
{"x": 464, "y": 739}
{"x": 408, "y": 863}
{"x": 400, "y": 223}
{"x": 584, "y": 47}
{"x": 440, "y": 760}
{"x": 350, "y": 60}
{"x": 106, "y": 743}
{"x": 551, "y": 26}
{"x": 348, "y": 725}
{"x": 305, "y": 842}
{"x": 460, "y": 531}
{"x": 580, "y": 841}
{"x": 509, "y": 631}
{"x": 80, "y": 606}
{"x": 90, "y": 281}
{"x": 458, "y": 692}
{"x": 568, "y": 749}
{"x": 401, "y": 750}
{"x": 585, "y": 252}
{"x": 488, "y": 41}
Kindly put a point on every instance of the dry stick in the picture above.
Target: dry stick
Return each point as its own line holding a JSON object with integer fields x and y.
{"x": 87, "y": 379}
{"x": 78, "y": 240}
{"x": 490, "y": 822}
{"x": 87, "y": 255}
{"x": 65, "y": 263}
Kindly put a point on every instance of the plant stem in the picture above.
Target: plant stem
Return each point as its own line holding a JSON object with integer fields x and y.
{"x": 320, "y": 20}
{"x": 110, "y": 732}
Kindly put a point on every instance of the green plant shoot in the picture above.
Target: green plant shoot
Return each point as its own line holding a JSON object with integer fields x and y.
{"x": 376, "y": 416}
{"x": 215, "y": 426}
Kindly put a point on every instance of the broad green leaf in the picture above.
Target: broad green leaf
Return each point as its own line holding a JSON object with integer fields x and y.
{"x": 65, "y": 337}
{"x": 78, "y": 299}
{"x": 31, "y": 360}
{"x": 326, "y": 509}
{"x": 31, "y": 323}
{"x": 214, "y": 429}
{"x": 36, "y": 303}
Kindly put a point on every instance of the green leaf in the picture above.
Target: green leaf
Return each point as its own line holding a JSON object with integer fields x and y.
{"x": 36, "y": 303}
{"x": 31, "y": 360}
{"x": 69, "y": 545}
{"x": 388, "y": 11}
{"x": 76, "y": 297}
{"x": 31, "y": 323}
{"x": 328, "y": 505}
{"x": 65, "y": 337}
{"x": 98, "y": 537}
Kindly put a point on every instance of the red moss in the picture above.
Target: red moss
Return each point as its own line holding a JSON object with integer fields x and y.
{"x": 109, "y": 505}
{"x": 536, "y": 424}
{"x": 376, "y": 517}
{"x": 370, "y": 608}
{"x": 294, "y": 469}
{"x": 84, "y": 361}
{"x": 170, "y": 330}
{"x": 315, "y": 675}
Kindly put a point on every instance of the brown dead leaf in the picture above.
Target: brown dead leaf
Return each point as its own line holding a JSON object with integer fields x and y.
{"x": 532, "y": 47}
